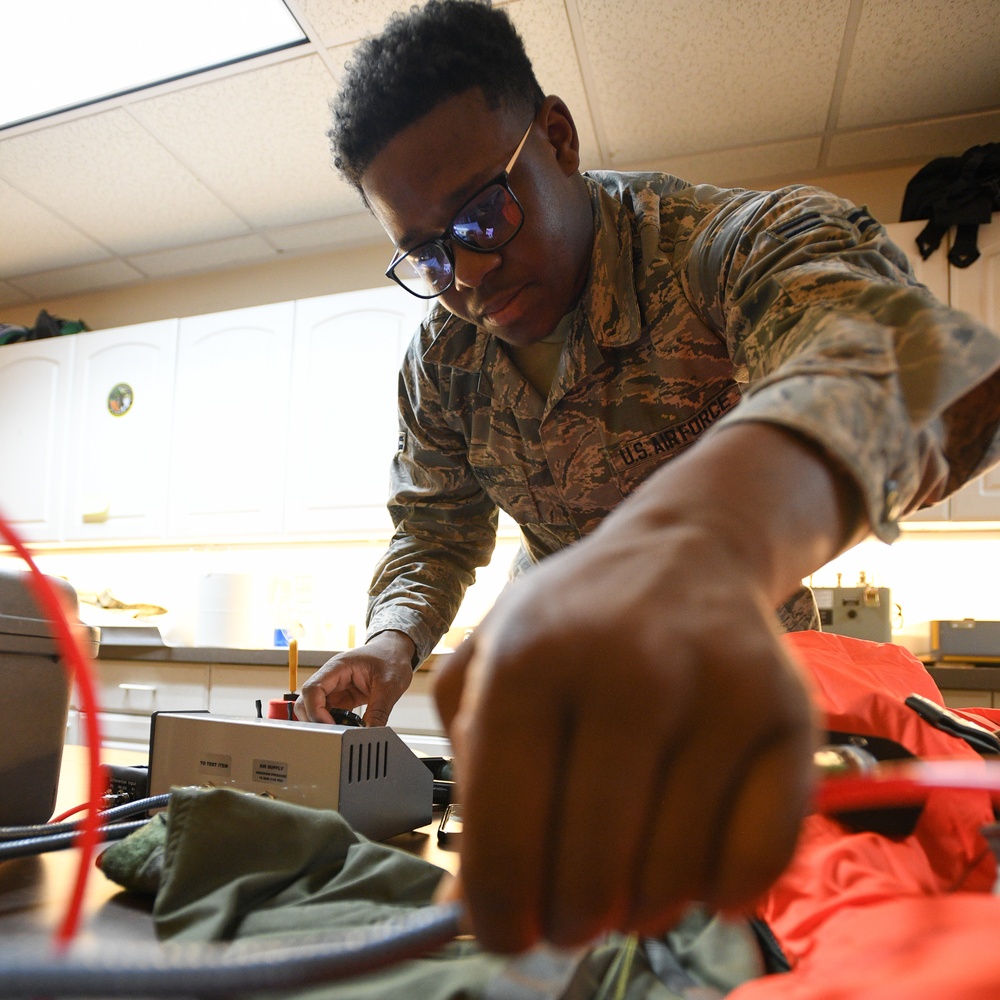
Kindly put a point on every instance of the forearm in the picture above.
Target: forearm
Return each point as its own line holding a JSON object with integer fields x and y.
{"x": 775, "y": 503}
{"x": 419, "y": 583}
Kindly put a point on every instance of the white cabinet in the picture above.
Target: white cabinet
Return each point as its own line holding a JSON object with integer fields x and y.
{"x": 975, "y": 290}
{"x": 120, "y": 432}
{"x": 262, "y": 421}
{"x": 227, "y": 456}
{"x": 344, "y": 427}
{"x": 35, "y": 379}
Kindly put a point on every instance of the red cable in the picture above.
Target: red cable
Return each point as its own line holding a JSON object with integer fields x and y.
{"x": 73, "y": 656}
{"x": 68, "y": 813}
{"x": 907, "y": 783}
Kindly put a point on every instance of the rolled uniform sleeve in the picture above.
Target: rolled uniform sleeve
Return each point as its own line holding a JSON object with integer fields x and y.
{"x": 833, "y": 338}
{"x": 445, "y": 525}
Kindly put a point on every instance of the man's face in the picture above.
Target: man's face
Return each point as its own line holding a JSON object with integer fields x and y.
{"x": 427, "y": 172}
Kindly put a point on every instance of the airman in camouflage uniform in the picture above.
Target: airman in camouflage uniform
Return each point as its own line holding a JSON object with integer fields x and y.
{"x": 630, "y": 731}
{"x": 793, "y": 304}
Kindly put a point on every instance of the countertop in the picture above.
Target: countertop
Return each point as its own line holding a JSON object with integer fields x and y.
{"x": 950, "y": 676}
{"x": 119, "y": 648}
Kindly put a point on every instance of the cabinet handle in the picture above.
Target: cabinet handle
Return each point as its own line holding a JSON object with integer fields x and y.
{"x": 136, "y": 687}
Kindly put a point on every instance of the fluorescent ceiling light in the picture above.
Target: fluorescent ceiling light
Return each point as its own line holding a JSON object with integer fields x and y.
{"x": 60, "y": 54}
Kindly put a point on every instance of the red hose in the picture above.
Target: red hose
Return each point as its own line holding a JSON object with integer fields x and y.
{"x": 78, "y": 668}
{"x": 907, "y": 783}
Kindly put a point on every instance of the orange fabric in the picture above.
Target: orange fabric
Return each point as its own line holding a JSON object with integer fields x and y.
{"x": 860, "y": 915}
{"x": 914, "y": 948}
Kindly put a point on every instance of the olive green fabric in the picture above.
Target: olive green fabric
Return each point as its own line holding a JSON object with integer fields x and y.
{"x": 237, "y": 866}
{"x": 137, "y": 861}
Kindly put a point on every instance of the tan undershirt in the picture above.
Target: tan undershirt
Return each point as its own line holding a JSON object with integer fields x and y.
{"x": 539, "y": 362}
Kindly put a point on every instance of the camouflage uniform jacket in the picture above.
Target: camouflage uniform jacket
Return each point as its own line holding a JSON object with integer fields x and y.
{"x": 703, "y": 307}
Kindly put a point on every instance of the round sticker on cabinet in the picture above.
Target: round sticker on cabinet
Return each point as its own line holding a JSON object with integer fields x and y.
{"x": 120, "y": 399}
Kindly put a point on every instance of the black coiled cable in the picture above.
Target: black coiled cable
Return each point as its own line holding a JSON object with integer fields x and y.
{"x": 253, "y": 965}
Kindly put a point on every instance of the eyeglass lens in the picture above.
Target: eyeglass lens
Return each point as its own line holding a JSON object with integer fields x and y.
{"x": 490, "y": 220}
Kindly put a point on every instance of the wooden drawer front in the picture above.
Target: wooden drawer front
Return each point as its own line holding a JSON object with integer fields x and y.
{"x": 236, "y": 688}
{"x": 144, "y": 688}
{"x": 119, "y": 731}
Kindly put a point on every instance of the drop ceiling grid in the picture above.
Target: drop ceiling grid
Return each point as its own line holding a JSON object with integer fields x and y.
{"x": 67, "y": 281}
{"x": 116, "y": 183}
{"x": 917, "y": 142}
{"x": 918, "y": 60}
{"x": 357, "y": 229}
{"x": 204, "y": 256}
{"x": 545, "y": 29}
{"x": 256, "y": 139}
{"x": 348, "y": 20}
{"x": 11, "y": 296}
{"x": 743, "y": 167}
{"x": 698, "y": 75}
{"x": 37, "y": 239}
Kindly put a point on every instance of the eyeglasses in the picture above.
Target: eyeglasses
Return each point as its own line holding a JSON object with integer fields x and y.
{"x": 489, "y": 220}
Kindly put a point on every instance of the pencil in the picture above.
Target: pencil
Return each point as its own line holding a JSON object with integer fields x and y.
{"x": 293, "y": 665}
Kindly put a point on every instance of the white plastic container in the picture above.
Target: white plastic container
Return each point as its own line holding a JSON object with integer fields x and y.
{"x": 34, "y": 700}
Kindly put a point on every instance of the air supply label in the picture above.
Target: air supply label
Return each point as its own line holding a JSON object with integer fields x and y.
{"x": 271, "y": 772}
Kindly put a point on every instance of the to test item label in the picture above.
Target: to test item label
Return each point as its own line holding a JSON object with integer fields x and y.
{"x": 271, "y": 772}
{"x": 215, "y": 763}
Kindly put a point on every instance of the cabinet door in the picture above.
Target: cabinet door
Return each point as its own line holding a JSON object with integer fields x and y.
{"x": 976, "y": 290}
{"x": 34, "y": 417}
{"x": 227, "y": 456}
{"x": 344, "y": 427}
{"x": 934, "y": 273}
{"x": 123, "y": 382}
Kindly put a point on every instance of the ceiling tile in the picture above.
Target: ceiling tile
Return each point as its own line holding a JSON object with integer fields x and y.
{"x": 204, "y": 256}
{"x": 116, "y": 183}
{"x": 697, "y": 75}
{"x": 347, "y": 20}
{"x": 258, "y": 139}
{"x": 922, "y": 141}
{"x": 742, "y": 167}
{"x": 54, "y": 284}
{"x": 346, "y": 230}
{"x": 548, "y": 38}
{"x": 36, "y": 240}
{"x": 11, "y": 296}
{"x": 914, "y": 60}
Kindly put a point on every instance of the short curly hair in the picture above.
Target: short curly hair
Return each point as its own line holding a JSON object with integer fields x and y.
{"x": 422, "y": 58}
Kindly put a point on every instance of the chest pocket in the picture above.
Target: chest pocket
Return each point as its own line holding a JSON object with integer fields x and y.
{"x": 635, "y": 452}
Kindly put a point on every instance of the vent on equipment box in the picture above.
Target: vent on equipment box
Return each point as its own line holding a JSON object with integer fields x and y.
{"x": 363, "y": 765}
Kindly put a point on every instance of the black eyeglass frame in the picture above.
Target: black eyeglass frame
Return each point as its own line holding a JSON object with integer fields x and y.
{"x": 502, "y": 180}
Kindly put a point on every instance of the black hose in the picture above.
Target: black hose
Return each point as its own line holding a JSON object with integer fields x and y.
{"x": 60, "y": 841}
{"x": 105, "y": 815}
{"x": 254, "y": 965}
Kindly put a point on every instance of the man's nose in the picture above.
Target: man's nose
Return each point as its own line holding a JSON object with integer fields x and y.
{"x": 471, "y": 266}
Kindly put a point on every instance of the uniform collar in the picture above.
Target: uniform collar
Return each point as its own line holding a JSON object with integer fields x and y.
{"x": 606, "y": 315}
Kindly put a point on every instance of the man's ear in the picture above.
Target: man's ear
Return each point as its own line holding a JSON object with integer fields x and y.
{"x": 560, "y": 128}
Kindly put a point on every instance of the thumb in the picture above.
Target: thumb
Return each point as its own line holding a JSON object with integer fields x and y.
{"x": 377, "y": 711}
